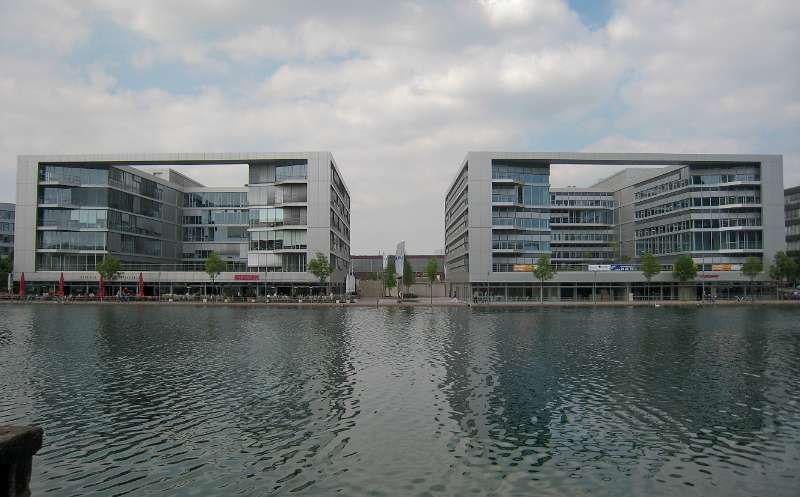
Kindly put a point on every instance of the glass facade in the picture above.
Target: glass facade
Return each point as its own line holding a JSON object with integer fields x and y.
{"x": 703, "y": 211}
{"x": 6, "y": 229}
{"x": 520, "y": 232}
{"x": 104, "y": 209}
{"x": 86, "y": 210}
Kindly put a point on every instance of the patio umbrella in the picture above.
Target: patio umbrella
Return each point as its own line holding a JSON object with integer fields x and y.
{"x": 102, "y": 288}
{"x": 140, "y": 288}
{"x": 61, "y": 285}
{"x": 22, "y": 285}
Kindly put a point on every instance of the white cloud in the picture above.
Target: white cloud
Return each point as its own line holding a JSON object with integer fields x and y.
{"x": 400, "y": 93}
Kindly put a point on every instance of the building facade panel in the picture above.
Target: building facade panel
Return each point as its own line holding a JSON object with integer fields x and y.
{"x": 77, "y": 209}
{"x": 654, "y": 205}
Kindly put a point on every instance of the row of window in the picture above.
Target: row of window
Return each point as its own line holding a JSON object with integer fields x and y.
{"x": 277, "y": 240}
{"x": 105, "y": 197}
{"x": 522, "y": 223}
{"x": 72, "y": 240}
{"x": 702, "y": 241}
{"x": 338, "y": 224}
{"x": 556, "y": 201}
{"x": 6, "y": 215}
{"x": 213, "y": 216}
{"x": 535, "y": 174}
{"x": 6, "y": 227}
{"x": 686, "y": 203}
{"x": 337, "y": 183}
{"x": 580, "y": 236}
{"x": 214, "y": 234}
{"x": 582, "y": 217}
{"x": 278, "y": 170}
{"x": 74, "y": 174}
{"x": 667, "y": 186}
{"x": 699, "y": 224}
{"x": 126, "y": 180}
{"x": 75, "y": 219}
{"x": 338, "y": 245}
{"x": 593, "y": 254}
{"x": 790, "y": 199}
{"x": 526, "y": 195}
{"x": 277, "y": 263}
{"x": 521, "y": 245}
{"x": 215, "y": 199}
{"x": 278, "y": 216}
{"x": 339, "y": 205}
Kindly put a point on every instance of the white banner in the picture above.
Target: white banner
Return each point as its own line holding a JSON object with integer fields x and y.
{"x": 399, "y": 258}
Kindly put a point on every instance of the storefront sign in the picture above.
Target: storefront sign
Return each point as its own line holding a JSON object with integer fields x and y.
{"x": 245, "y": 277}
{"x": 599, "y": 267}
{"x": 523, "y": 268}
{"x": 726, "y": 267}
{"x": 621, "y": 267}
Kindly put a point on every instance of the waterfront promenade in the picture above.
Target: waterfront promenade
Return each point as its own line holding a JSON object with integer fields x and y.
{"x": 393, "y": 302}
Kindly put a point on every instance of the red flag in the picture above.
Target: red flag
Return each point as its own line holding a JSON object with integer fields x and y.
{"x": 140, "y": 289}
{"x": 61, "y": 285}
{"x": 22, "y": 285}
{"x": 102, "y": 288}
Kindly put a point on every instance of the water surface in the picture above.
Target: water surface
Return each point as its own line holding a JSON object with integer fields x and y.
{"x": 144, "y": 400}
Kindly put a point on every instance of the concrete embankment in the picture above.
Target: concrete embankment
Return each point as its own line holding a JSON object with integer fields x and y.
{"x": 437, "y": 302}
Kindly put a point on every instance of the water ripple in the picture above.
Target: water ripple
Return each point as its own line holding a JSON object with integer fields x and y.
{"x": 233, "y": 401}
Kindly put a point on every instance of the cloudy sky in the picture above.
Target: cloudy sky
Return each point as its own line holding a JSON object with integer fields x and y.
{"x": 399, "y": 91}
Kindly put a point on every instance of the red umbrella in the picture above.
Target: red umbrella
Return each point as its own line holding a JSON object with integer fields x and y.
{"x": 140, "y": 288}
{"x": 22, "y": 285}
{"x": 61, "y": 285}
{"x": 102, "y": 287}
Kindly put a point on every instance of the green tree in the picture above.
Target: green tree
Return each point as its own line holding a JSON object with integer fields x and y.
{"x": 6, "y": 268}
{"x": 431, "y": 272}
{"x": 214, "y": 265}
{"x": 108, "y": 268}
{"x": 543, "y": 271}
{"x": 409, "y": 278}
{"x": 650, "y": 267}
{"x": 684, "y": 269}
{"x": 784, "y": 268}
{"x": 751, "y": 268}
{"x": 320, "y": 267}
{"x": 390, "y": 274}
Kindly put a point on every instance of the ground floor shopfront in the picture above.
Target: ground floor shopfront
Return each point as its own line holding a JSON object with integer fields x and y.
{"x": 610, "y": 291}
{"x": 188, "y": 284}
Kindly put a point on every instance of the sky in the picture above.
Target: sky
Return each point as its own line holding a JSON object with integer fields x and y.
{"x": 399, "y": 91}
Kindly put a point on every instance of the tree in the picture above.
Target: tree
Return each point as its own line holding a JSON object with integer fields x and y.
{"x": 409, "y": 278}
{"x": 6, "y": 268}
{"x": 543, "y": 271}
{"x": 214, "y": 266}
{"x": 390, "y": 274}
{"x": 320, "y": 267}
{"x": 431, "y": 272}
{"x": 108, "y": 268}
{"x": 784, "y": 268}
{"x": 752, "y": 267}
{"x": 684, "y": 269}
{"x": 650, "y": 267}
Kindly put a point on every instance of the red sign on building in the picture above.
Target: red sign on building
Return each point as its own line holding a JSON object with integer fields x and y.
{"x": 245, "y": 277}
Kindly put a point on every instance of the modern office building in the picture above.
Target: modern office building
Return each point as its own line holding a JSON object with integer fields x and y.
{"x": 501, "y": 215}
{"x": 6, "y": 230}
{"x": 792, "y": 198}
{"x": 75, "y": 209}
